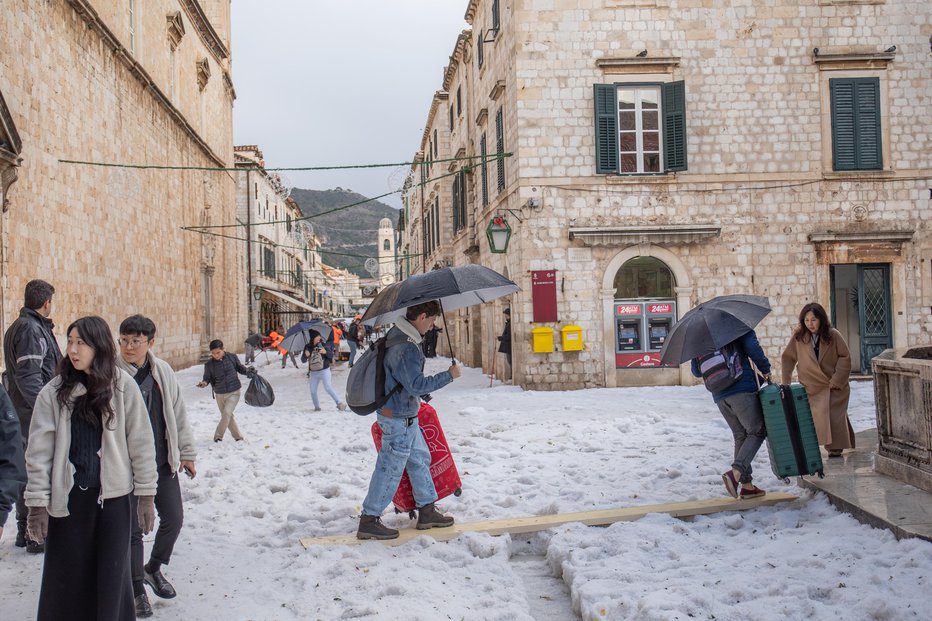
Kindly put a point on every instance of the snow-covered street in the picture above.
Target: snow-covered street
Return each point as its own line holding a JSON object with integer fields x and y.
{"x": 301, "y": 474}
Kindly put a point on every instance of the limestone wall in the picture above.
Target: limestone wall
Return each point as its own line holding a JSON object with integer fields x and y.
{"x": 109, "y": 239}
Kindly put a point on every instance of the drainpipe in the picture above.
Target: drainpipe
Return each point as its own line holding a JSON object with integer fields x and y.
{"x": 252, "y": 302}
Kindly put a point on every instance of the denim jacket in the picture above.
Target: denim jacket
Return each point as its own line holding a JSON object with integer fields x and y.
{"x": 404, "y": 364}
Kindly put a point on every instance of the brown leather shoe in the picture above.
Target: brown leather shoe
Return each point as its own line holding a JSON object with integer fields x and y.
{"x": 371, "y": 527}
{"x": 429, "y": 517}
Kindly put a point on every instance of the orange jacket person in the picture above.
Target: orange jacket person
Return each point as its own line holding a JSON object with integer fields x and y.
{"x": 276, "y": 341}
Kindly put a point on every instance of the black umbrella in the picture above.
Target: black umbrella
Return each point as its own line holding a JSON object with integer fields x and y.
{"x": 297, "y": 336}
{"x": 453, "y": 287}
{"x": 712, "y": 325}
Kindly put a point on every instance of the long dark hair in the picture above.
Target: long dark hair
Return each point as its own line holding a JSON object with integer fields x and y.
{"x": 100, "y": 379}
{"x": 825, "y": 326}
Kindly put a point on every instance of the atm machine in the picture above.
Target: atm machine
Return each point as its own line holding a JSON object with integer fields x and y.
{"x": 660, "y": 317}
{"x": 629, "y": 318}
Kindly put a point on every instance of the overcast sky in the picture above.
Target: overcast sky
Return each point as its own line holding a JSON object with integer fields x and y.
{"x": 322, "y": 83}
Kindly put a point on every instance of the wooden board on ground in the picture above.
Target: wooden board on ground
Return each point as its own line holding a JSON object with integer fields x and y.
{"x": 604, "y": 517}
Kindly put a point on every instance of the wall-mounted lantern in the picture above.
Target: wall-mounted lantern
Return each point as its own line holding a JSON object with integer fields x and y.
{"x": 498, "y": 232}
{"x": 256, "y": 293}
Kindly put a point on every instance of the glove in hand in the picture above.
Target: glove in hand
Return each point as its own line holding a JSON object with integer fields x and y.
{"x": 37, "y": 524}
{"x": 145, "y": 513}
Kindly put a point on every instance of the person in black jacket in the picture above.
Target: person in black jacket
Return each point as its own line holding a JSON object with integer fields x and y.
{"x": 504, "y": 343}
{"x": 12, "y": 461}
{"x": 31, "y": 354}
{"x": 221, "y": 373}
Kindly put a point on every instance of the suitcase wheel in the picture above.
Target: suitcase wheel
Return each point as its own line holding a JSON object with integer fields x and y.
{"x": 458, "y": 492}
{"x": 786, "y": 480}
{"x": 821, "y": 474}
{"x": 412, "y": 514}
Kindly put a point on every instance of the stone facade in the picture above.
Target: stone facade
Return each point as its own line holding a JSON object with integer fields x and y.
{"x": 121, "y": 81}
{"x": 759, "y": 204}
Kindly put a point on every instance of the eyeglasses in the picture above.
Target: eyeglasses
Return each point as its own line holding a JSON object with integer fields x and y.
{"x": 132, "y": 343}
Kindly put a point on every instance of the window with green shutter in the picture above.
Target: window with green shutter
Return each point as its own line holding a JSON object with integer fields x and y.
{"x": 856, "y": 141}
{"x": 500, "y": 149}
{"x": 640, "y": 128}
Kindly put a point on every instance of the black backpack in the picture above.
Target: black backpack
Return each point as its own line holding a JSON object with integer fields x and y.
{"x": 721, "y": 368}
{"x": 365, "y": 386}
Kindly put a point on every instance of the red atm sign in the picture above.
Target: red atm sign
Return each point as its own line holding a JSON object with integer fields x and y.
{"x": 628, "y": 309}
{"x": 659, "y": 308}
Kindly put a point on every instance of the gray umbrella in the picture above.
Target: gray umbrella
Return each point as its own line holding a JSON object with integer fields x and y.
{"x": 298, "y": 335}
{"x": 712, "y": 325}
{"x": 453, "y": 287}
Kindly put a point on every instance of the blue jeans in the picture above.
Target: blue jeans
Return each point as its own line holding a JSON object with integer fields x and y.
{"x": 352, "y": 351}
{"x": 322, "y": 376}
{"x": 403, "y": 448}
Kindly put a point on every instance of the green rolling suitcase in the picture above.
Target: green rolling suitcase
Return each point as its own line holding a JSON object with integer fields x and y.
{"x": 791, "y": 436}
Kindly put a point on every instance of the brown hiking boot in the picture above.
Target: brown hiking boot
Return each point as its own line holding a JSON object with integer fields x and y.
{"x": 371, "y": 527}
{"x": 429, "y": 517}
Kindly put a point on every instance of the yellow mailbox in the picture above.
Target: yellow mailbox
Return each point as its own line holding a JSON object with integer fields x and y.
{"x": 572, "y": 338}
{"x": 542, "y": 339}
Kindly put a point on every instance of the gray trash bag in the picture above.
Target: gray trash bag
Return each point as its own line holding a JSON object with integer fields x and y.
{"x": 260, "y": 393}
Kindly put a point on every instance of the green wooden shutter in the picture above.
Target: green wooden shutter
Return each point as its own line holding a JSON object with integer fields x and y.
{"x": 856, "y": 141}
{"x": 674, "y": 126}
{"x": 606, "y": 129}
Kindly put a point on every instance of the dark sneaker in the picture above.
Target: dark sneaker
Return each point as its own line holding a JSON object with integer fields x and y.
{"x": 429, "y": 517}
{"x": 750, "y": 492}
{"x": 34, "y": 547}
{"x": 143, "y": 608}
{"x": 371, "y": 527}
{"x": 731, "y": 483}
{"x": 160, "y": 586}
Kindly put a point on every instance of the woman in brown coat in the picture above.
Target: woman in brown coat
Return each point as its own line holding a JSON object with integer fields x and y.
{"x": 823, "y": 364}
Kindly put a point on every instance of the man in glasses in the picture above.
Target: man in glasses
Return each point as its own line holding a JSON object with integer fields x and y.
{"x": 174, "y": 453}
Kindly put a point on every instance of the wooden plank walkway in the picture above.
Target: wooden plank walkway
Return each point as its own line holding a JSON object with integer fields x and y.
{"x": 604, "y": 517}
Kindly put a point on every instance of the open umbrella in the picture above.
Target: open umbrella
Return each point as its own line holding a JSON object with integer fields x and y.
{"x": 712, "y": 325}
{"x": 453, "y": 287}
{"x": 297, "y": 335}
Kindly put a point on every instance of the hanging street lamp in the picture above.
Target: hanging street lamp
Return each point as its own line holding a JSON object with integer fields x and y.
{"x": 499, "y": 233}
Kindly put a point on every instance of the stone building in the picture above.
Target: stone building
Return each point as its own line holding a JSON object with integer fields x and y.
{"x": 121, "y": 82}
{"x": 657, "y": 153}
{"x": 281, "y": 252}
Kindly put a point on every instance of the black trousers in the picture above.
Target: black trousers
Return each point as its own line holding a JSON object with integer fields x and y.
{"x": 171, "y": 515}
{"x": 86, "y": 572}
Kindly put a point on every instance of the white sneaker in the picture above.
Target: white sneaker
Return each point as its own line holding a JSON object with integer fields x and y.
{"x": 341, "y": 406}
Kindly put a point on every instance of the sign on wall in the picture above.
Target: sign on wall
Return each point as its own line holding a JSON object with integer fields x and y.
{"x": 544, "y": 295}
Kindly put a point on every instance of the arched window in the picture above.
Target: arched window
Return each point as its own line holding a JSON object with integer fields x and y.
{"x": 644, "y": 277}
{"x": 386, "y": 245}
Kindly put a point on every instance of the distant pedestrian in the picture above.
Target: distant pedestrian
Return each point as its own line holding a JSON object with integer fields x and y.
{"x": 32, "y": 355}
{"x": 174, "y": 453}
{"x": 403, "y": 444}
{"x": 12, "y": 462}
{"x": 220, "y": 372}
{"x": 90, "y": 449}
{"x": 429, "y": 343}
{"x": 504, "y": 344}
{"x": 741, "y": 409}
{"x": 252, "y": 343}
{"x": 318, "y": 354}
{"x": 354, "y": 337}
{"x": 822, "y": 360}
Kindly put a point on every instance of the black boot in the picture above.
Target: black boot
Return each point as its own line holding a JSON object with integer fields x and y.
{"x": 371, "y": 527}
{"x": 34, "y": 547}
{"x": 160, "y": 586}
{"x": 429, "y": 517}
{"x": 143, "y": 608}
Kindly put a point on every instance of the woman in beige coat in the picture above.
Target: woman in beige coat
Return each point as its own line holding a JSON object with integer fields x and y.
{"x": 823, "y": 364}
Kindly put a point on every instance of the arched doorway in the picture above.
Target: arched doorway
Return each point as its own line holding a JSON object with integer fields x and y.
{"x": 644, "y": 290}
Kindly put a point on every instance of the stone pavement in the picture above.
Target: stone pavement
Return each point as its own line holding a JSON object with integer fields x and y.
{"x": 853, "y": 487}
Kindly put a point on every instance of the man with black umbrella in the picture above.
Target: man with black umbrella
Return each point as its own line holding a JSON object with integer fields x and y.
{"x": 740, "y": 406}
{"x": 403, "y": 444}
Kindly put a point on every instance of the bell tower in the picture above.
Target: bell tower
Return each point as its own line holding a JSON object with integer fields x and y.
{"x": 386, "y": 252}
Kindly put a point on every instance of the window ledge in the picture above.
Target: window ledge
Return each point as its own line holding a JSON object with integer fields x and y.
{"x": 840, "y": 59}
{"x": 897, "y": 237}
{"x": 497, "y": 90}
{"x": 626, "y": 235}
{"x": 640, "y": 179}
{"x": 482, "y": 116}
{"x": 858, "y": 174}
{"x": 663, "y": 64}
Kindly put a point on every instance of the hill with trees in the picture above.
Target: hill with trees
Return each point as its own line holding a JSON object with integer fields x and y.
{"x": 348, "y": 236}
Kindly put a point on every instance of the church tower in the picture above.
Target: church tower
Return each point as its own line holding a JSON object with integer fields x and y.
{"x": 386, "y": 252}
